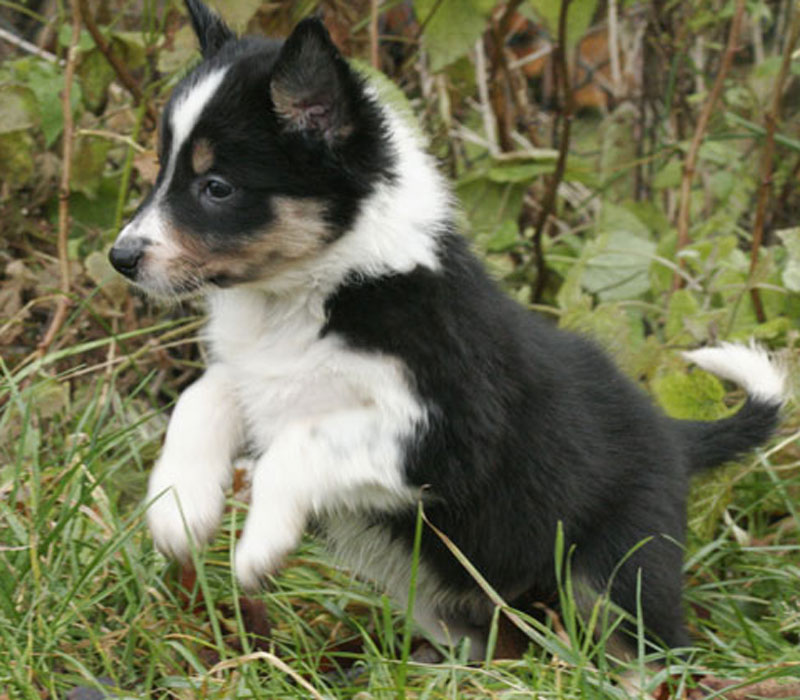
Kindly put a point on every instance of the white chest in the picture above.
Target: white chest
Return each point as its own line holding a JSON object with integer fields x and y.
{"x": 284, "y": 373}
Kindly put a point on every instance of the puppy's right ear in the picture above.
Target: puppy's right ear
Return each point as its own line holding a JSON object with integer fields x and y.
{"x": 211, "y": 31}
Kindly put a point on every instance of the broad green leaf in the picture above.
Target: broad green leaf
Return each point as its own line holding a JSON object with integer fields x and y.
{"x": 85, "y": 41}
{"x": 47, "y": 81}
{"x": 18, "y": 108}
{"x": 16, "y": 158}
{"x": 96, "y": 75}
{"x": 487, "y": 204}
{"x": 579, "y": 17}
{"x": 682, "y": 305}
{"x": 451, "y": 27}
{"x": 668, "y": 176}
{"x": 617, "y": 267}
{"x": 505, "y": 237}
{"x": 88, "y": 164}
{"x": 617, "y": 262}
{"x": 95, "y": 72}
{"x": 618, "y": 217}
{"x": 697, "y": 395}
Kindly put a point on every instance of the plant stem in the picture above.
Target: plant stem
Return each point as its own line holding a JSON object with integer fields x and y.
{"x": 771, "y": 119}
{"x": 64, "y": 189}
{"x": 699, "y": 132}
{"x": 548, "y": 205}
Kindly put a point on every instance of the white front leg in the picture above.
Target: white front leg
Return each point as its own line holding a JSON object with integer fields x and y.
{"x": 352, "y": 459}
{"x": 187, "y": 485}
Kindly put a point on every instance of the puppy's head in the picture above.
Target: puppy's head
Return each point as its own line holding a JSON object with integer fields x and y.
{"x": 267, "y": 150}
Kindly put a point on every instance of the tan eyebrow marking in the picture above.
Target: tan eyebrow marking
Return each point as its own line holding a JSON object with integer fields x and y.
{"x": 202, "y": 156}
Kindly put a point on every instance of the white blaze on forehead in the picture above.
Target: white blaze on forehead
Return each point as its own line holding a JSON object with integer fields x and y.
{"x": 190, "y": 106}
{"x": 185, "y": 113}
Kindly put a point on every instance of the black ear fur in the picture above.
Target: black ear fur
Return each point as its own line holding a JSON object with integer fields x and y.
{"x": 211, "y": 30}
{"x": 311, "y": 84}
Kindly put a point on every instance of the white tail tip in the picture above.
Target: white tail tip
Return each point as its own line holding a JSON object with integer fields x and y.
{"x": 748, "y": 366}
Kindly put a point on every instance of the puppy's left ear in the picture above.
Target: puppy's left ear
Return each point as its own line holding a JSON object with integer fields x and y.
{"x": 211, "y": 30}
{"x": 312, "y": 85}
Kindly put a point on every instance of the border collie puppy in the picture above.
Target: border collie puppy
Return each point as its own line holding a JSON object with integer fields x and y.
{"x": 362, "y": 352}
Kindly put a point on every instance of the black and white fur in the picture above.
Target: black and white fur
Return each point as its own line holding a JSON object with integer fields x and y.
{"x": 360, "y": 349}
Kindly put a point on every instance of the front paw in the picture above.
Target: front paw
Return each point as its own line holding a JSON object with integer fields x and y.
{"x": 257, "y": 558}
{"x": 184, "y": 514}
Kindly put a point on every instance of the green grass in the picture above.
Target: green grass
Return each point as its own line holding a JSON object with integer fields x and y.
{"x": 83, "y": 594}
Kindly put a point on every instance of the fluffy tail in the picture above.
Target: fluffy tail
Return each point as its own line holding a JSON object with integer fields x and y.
{"x": 710, "y": 443}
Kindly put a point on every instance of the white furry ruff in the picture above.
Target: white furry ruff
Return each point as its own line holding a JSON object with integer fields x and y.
{"x": 749, "y": 366}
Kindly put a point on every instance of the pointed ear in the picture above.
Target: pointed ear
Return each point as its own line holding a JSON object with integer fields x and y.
{"x": 211, "y": 31}
{"x": 312, "y": 83}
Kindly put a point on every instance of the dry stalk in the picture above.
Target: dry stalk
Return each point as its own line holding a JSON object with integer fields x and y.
{"x": 699, "y": 132}
{"x": 613, "y": 49}
{"x": 482, "y": 80}
{"x": 500, "y": 92}
{"x": 771, "y": 119}
{"x": 374, "y": 55}
{"x": 549, "y": 201}
{"x": 63, "y": 189}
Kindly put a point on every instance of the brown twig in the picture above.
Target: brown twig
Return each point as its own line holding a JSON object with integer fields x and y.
{"x": 549, "y": 201}
{"x": 771, "y": 119}
{"x": 63, "y": 190}
{"x": 497, "y": 95}
{"x": 699, "y": 132}
{"x": 114, "y": 61}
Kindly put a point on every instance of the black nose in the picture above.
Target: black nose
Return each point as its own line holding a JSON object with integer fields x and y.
{"x": 125, "y": 257}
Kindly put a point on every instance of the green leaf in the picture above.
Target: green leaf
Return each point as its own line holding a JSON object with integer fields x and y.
{"x": 96, "y": 75}
{"x": 521, "y": 172}
{"x": 618, "y": 266}
{"x": 18, "y": 108}
{"x": 682, "y": 305}
{"x": 237, "y": 13}
{"x": 617, "y": 217}
{"x": 488, "y": 204}
{"x": 16, "y": 158}
{"x": 617, "y": 262}
{"x": 47, "y": 82}
{"x": 88, "y": 164}
{"x": 790, "y": 276}
{"x": 579, "y": 17}
{"x": 505, "y": 237}
{"x": 668, "y": 176}
{"x": 85, "y": 41}
{"x": 451, "y": 27}
{"x": 694, "y": 396}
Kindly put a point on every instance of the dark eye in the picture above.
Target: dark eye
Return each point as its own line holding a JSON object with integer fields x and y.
{"x": 217, "y": 189}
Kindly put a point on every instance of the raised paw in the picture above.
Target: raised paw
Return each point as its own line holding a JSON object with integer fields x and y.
{"x": 257, "y": 558}
{"x": 183, "y": 509}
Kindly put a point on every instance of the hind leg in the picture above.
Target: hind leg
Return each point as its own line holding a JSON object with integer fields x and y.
{"x": 650, "y": 581}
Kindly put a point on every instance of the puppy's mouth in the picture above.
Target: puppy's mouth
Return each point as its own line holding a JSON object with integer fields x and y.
{"x": 177, "y": 278}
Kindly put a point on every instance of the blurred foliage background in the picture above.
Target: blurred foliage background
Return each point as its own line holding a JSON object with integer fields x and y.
{"x": 628, "y": 168}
